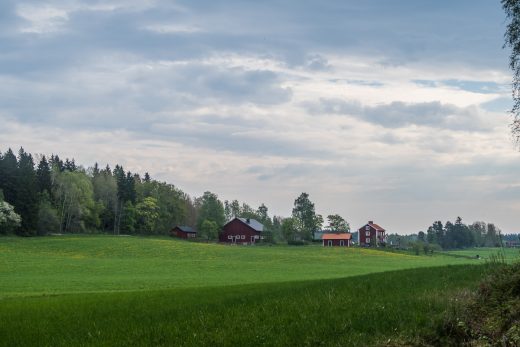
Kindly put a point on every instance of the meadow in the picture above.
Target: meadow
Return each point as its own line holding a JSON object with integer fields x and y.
{"x": 104, "y": 290}
{"x": 486, "y": 253}
{"x": 71, "y": 264}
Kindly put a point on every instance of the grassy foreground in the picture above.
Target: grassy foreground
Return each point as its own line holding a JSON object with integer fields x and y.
{"x": 486, "y": 253}
{"x": 73, "y": 264}
{"x": 120, "y": 291}
{"x": 356, "y": 311}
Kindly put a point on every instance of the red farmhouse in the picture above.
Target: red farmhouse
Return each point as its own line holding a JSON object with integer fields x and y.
{"x": 241, "y": 231}
{"x": 371, "y": 235}
{"x": 340, "y": 239}
{"x": 183, "y": 232}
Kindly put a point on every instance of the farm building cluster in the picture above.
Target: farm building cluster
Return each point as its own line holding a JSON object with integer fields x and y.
{"x": 248, "y": 231}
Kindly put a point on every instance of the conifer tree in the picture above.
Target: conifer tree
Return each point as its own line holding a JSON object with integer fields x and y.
{"x": 27, "y": 194}
{"x": 57, "y": 163}
{"x": 95, "y": 170}
{"x": 43, "y": 174}
{"x": 8, "y": 173}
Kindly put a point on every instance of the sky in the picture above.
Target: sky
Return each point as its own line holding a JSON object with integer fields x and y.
{"x": 391, "y": 111}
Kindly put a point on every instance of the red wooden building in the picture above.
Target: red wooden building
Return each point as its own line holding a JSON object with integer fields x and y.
{"x": 183, "y": 232}
{"x": 339, "y": 239}
{"x": 371, "y": 235}
{"x": 241, "y": 231}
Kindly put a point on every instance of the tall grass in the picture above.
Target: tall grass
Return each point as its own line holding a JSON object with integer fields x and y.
{"x": 356, "y": 311}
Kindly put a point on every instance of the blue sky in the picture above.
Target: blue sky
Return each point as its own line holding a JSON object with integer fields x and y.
{"x": 393, "y": 111}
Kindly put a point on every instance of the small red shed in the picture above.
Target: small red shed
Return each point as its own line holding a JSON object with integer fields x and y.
{"x": 183, "y": 232}
{"x": 371, "y": 234}
{"x": 337, "y": 239}
{"x": 241, "y": 231}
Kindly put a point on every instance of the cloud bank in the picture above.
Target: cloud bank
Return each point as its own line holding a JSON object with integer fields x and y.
{"x": 388, "y": 112}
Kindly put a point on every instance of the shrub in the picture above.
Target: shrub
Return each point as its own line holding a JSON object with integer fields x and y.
{"x": 489, "y": 316}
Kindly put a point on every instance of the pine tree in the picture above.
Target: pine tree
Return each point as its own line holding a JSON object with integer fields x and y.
{"x": 107, "y": 170}
{"x": 43, "y": 174}
{"x": 95, "y": 170}
{"x": 130, "y": 193}
{"x": 70, "y": 165}
{"x": 8, "y": 173}
{"x": 27, "y": 194}
{"x": 56, "y": 163}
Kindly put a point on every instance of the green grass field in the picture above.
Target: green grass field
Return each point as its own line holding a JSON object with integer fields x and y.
{"x": 103, "y": 290}
{"x": 71, "y": 264}
{"x": 485, "y": 253}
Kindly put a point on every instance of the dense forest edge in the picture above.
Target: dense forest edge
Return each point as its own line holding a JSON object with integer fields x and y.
{"x": 58, "y": 196}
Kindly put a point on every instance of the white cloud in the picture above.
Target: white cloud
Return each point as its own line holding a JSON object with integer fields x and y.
{"x": 42, "y": 19}
{"x": 173, "y": 29}
{"x": 146, "y": 84}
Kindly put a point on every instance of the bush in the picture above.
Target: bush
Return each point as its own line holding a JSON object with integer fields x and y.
{"x": 489, "y": 316}
{"x": 296, "y": 243}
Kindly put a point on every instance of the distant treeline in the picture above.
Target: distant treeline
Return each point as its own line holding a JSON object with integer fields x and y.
{"x": 451, "y": 235}
{"x": 57, "y": 196}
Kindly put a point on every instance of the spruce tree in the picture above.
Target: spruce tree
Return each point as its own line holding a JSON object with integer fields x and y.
{"x": 43, "y": 174}
{"x": 8, "y": 173}
{"x": 27, "y": 194}
{"x": 57, "y": 163}
{"x": 130, "y": 193}
{"x": 70, "y": 165}
{"x": 95, "y": 170}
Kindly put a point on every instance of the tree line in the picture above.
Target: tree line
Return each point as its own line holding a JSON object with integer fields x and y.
{"x": 451, "y": 235}
{"x": 56, "y": 196}
{"x": 59, "y": 196}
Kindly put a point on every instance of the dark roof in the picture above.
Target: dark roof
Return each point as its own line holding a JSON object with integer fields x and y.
{"x": 253, "y": 223}
{"x": 186, "y": 229}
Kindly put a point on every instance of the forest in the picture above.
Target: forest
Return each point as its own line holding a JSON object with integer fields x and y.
{"x": 58, "y": 196}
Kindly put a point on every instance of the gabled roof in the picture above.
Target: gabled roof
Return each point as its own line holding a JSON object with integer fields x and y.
{"x": 377, "y": 227}
{"x": 339, "y": 236}
{"x": 253, "y": 223}
{"x": 373, "y": 225}
{"x": 186, "y": 229}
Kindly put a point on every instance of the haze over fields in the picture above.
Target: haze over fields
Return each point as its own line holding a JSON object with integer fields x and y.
{"x": 388, "y": 111}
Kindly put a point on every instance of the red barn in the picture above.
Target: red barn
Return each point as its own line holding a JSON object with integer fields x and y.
{"x": 241, "y": 231}
{"x": 371, "y": 234}
{"x": 183, "y": 232}
{"x": 339, "y": 239}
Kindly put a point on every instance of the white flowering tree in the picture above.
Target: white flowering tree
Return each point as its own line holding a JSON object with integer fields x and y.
{"x": 8, "y": 218}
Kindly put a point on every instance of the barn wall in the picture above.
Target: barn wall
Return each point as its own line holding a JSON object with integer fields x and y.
{"x": 235, "y": 228}
{"x": 336, "y": 243}
{"x": 362, "y": 235}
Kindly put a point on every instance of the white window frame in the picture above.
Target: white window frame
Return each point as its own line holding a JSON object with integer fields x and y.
{"x": 230, "y": 237}
{"x": 243, "y": 237}
{"x": 368, "y": 234}
{"x": 367, "y": 227}
{"x": 329, "y": 243}
{"x": 342, "y": 242}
